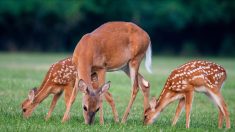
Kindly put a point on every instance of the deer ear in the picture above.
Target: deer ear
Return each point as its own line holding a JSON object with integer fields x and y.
{"x": 82, "y": 86}
{"x": 31, "y": 94}
{"x": 104, "y": 88}
{"x": 153, "y": 103}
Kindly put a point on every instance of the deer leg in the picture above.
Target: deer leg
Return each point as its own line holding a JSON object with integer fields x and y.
{"x": 101, "y": 112}
{"x": 70, "y": 93}
{"x": 145, "y": 88}
{"x": 178, "y": 111}
{"x": 53, "y": 104}
{"x": 221, "y": 116}
{"x": 101, "y": 80}
{"x": 218, "y": 99}
{"x": 144, "y": 85}
{"x": 134, "y": 67}
{"x": 226, "y": 113}
{"x": 188, "y": 106}
{"x": 109, "y": 98}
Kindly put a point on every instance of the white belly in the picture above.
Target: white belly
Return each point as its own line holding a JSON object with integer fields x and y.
{"x": 201, "y": 89}
{"x": 117, "y": 68}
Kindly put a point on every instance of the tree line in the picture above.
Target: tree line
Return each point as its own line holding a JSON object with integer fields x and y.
{"x": 176, "y": 27}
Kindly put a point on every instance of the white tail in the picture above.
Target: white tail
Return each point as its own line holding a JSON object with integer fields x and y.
{"x": 148, "y": 61}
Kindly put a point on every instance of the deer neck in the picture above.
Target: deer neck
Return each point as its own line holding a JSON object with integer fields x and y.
{"x": 43, "y": 91}
{"x": 166, "y": 97}
{"x": 84, "y": 73}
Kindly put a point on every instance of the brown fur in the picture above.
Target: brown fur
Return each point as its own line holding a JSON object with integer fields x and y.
{"x": 60, "y": 77}
{"x": 201, "y": 76}
{"x": 113, "y": 46}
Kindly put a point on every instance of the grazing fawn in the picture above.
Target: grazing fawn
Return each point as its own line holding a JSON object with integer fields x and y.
{"x": 61, "y": 77}
{"x": 111, "y": 47}
{"x": 200, "y": 76}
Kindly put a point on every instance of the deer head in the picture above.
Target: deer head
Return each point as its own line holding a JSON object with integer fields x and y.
{"x": 91, "y": 100}
{"x": 151, "y": 111}
{"x": 28, "y": 105}
{"x": 156, "y": 106}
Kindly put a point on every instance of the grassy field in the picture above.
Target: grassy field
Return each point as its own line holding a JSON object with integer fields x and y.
{"x": 22, "y": 71}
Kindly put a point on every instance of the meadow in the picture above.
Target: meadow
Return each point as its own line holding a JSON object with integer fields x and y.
{"x": 19, "y": 72}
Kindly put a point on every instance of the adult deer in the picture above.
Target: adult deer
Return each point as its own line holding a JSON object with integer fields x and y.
{"x": 111, "y": 47}
{"x": 200, "y": 76}
{"x": 60, "y": 77}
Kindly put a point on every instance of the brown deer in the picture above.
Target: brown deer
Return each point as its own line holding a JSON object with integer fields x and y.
{"x": 200, "y": 76}
{"x": 111, "y": 47}
{"x": 61, "y": 77}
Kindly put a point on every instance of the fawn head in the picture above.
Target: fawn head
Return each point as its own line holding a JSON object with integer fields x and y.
{"x": 28, "y": 105}
{"x": 91, "y": 100}
{"x": 150, "y": 114}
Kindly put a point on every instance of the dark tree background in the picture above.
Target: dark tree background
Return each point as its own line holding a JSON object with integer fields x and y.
{"x": 176, "y": 27}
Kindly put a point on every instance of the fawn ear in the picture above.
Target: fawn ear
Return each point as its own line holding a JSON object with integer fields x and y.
{"x": 31, "y": 94}
{"x": 153, "y": 103}
{"x": 104, "y": 88}
{"x": 82, "y": 86}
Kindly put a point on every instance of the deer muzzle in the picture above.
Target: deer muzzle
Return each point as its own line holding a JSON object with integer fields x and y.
{"x": 91, "y": 117}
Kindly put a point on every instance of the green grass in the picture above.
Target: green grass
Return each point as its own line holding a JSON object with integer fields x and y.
{"x": 22, "y": 71}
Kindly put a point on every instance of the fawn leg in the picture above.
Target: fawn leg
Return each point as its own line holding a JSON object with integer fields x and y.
{"x": 188, "y": 106}
{"x": 218, "y": 99}
{"x": 178, "y": 111}
{"x": 70, "y": 93}
{"x": 53, "y": 104}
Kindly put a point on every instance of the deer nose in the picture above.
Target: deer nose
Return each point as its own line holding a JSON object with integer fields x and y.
{"x": 91, "y": 114}
{"x": 91, "y": 117}
{"x": 145, "y": 119}
{"x": 89, "y": 123}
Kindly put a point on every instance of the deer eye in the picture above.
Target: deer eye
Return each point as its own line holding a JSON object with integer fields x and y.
{"x": 85, "y": 108}
{"x": 97, "y": 109}
{"x": 24, "y": 110}
{"x": 145, "y": 116}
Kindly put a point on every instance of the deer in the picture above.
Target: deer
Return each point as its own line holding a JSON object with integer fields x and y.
{"x": 61, "y": 77}
{"x": 111, "y": 47}
{"x": 195, "y": 76}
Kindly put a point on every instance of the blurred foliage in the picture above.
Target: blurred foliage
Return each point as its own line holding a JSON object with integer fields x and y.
{"x": 178, "y": 26}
